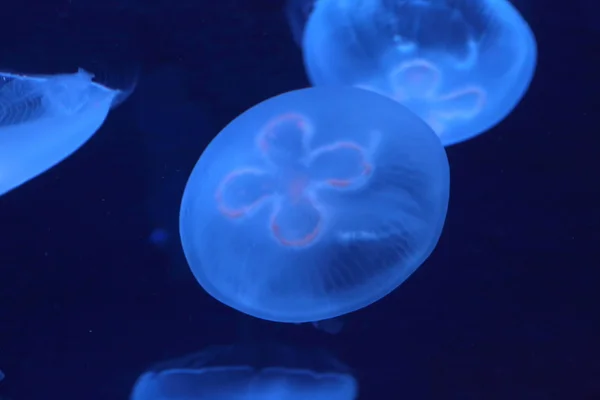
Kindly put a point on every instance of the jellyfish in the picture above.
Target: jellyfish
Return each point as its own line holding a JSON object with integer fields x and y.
{"x": 462, "y": 66}
{"x": 313, "y": 204}
{"x": 44, "y": 119}
{"x": 250, "y": 371}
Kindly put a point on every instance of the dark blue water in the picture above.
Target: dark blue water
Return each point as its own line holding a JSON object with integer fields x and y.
{"x": 93, "y": 288}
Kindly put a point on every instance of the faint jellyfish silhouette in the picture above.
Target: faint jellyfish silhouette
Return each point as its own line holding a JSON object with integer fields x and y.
{"x": 159, "y": 237}
{"x": 314, "y": 204}
{"x": 297, "y": 13}
{"x": 462, "y": 66}
{"x": 1, "y": 375}
{"x": 332, "y": 326}
{"x": 242, "y": 372}
{"x": 175, "y": 130}
{"x": 44, "y": 119}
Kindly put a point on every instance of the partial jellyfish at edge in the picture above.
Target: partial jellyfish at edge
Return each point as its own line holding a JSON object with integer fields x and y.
{"x": 46, "y": 118}
{"x": 244, "y": 371}
{"x": 462, "y": 66}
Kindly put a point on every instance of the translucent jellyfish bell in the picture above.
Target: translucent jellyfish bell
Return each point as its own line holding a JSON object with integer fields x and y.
{"x": 44, "y": 119}
{"x": 266, "y": 372}
{"x": 314, "y": 204}
{"x": 462, "y": 65}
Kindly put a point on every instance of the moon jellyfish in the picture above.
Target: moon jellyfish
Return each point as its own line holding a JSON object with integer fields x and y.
{"x": 314, "y": 203}
{"x": 44, "y": 119}
{"x": 461, "y": 65}
{"x": 248, "y": 372}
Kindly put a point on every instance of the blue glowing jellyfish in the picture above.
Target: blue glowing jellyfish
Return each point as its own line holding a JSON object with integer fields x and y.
{"x": 244, "y": 372}
{"x": 462, "y": 66}
{"x": 44, "y": 119}
{"x": 314, "y": 204}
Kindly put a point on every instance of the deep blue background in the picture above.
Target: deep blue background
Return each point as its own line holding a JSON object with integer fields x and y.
{"x": 506, "y": 308}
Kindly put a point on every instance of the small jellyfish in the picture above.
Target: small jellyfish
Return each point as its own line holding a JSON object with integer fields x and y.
{"x": 175, "y": 129}
{"x": 313, "y": 204}
{"x": 1, "y": 375}
{"x": 462, "y": 66}
{"x": 244, "y": 372}
{"x": 44, "y": 119}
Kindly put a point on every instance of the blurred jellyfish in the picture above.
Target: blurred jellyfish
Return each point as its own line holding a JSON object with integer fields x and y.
{"x": 249, "y": 372}
{"x": 44, "y": 119}
{"x": 1, "y": 375}
{"x": 175, "y": 130}
{"x": 333, "y": 326}
{"x": 314, "y": 204}
{"x": 160, "y": 237}
{"x": 297, "y": 13}
{"x": 461, "y": 65}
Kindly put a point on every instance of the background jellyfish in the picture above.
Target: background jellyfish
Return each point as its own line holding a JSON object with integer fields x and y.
{"x": 44, "y": 119}
{"x": 462, "y": 66}
{"x": 174, "y": 129}
{"x": 332, "y": 326}
{"x": 297, "y": 13}
{"x": 242, "y": 372}
{"x": 313, "y": 204}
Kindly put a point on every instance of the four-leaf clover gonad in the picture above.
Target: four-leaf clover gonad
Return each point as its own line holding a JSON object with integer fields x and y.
{"x": 417, "y": 84}
{"x": 291, "y": 178}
